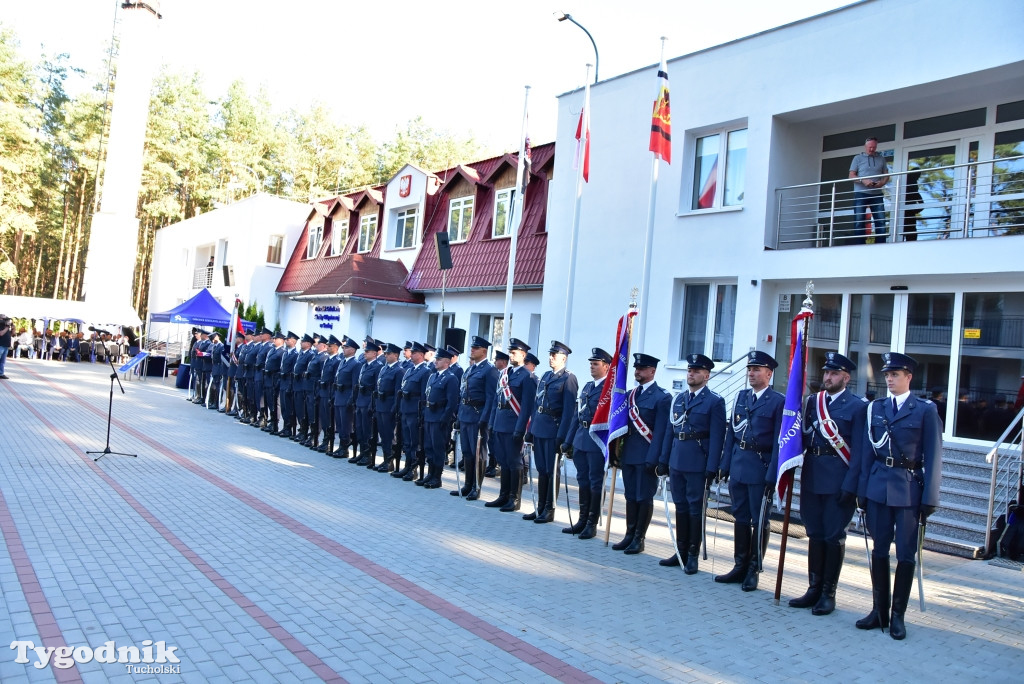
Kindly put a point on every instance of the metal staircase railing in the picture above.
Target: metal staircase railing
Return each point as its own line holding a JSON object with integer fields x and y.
{"x": 1005, "y": 458}
{"x": 728, "y": 381}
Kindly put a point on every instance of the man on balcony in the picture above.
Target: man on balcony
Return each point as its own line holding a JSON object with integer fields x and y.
{"x": 867, "y": 192}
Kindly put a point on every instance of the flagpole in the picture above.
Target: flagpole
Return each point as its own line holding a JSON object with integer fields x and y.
{"x": 648, "y": 240}
{"x": 791, "y": 474}
{"x": 573, "y": 239}
{"x": 517, "y": 219}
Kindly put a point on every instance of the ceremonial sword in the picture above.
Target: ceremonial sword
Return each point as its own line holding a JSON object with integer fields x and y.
{"x": 920, "y": 562}
{"x": 663, "y": 488}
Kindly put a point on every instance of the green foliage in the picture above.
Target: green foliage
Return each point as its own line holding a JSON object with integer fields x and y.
{"x": 253, "y": 313}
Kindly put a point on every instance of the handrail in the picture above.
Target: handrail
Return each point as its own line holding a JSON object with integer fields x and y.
{"x": 993, "y": 458}
{"x": 970, "y": 199}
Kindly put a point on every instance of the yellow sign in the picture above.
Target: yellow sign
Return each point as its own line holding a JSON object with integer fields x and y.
{"x": 972, "y": 333}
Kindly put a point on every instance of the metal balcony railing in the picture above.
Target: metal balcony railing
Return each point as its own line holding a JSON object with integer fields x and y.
{"x": 728, "y": 381}
{"x": 1005, "y": 486}
{"x": 976, "y": 199}
{"x": 202, "y": 277}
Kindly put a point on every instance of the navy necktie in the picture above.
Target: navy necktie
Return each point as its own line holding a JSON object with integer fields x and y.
{"x": 895, "y": 407}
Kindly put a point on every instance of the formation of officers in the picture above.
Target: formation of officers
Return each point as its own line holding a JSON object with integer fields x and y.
{"x": 349, "y": 400}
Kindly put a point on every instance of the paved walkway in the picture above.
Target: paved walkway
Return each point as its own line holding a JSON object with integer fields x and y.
{"x": 260, "y": 560}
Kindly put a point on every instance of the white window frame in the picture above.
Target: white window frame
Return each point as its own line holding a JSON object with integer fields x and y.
{"x": 314, "y": 241}
{"x": 510, "y": 192}
{"x": 462, "y": 205}
{"x": 367, "y": 233}
{"x": 401, "y": 216}
{"x": 718, "y": 203}
{"x": 279, "y": 248}
{"x": 710, "y": 319}
{"x": 339, "y": 237}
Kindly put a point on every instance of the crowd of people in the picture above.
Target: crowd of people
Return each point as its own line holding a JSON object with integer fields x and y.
{"x": 415, "y": 402}
{"x": 65, "y": 345}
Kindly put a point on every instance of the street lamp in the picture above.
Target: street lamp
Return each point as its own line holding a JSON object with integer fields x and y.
{"x": 562, "y": 16}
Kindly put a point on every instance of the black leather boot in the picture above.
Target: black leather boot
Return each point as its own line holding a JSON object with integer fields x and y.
{"x": 901, "y": 585}
{"x": 502, "y": 491}
{"x": 754, "y": 566}
{"x": 682, "y": 539}
{"x": 693, "y": 550}
{"x": 515, "y": 490}
{"x": 581, "y": 522}
{"x": 644, "y": 513}
{"x": 543, "y": 482}
{"x": 834, "y": 555}
{"x": 815, "y": 574}
{"x": 547, "y": 512}
{"x": 741, "y": 554}
{"x": 434, "y": 476}
{"x": 589, "y": 531}
{"x": 411, "y": 475}
{"x": 630, "y": 527}
{"x": 879, "y": 615}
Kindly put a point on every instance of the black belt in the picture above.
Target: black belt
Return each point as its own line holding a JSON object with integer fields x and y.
{"x": 436, "y": 404}
{"x": 341, "y": 388}
{"x": 475, "y": 403}
{"x": 685, "y": 436}
{"x": 890, "y": 462}
{"x": 407, "y": 395}
{"x": 750, "y": 446}
{"x": 821, "y": 451}
{"x": 584, "y": 423}
{"x": 382, "y": 395}
{"x": 549, "y": 412}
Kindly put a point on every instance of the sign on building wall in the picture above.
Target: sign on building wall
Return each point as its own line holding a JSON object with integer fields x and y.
{"x": 325, "y": 316}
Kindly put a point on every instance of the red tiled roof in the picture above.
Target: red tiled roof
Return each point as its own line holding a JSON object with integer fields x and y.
{"x": 482, "y": 261}
{"x": 361, "y": 275}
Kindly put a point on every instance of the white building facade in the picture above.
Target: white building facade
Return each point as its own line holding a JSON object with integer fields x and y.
{"x": 756, "y": 202}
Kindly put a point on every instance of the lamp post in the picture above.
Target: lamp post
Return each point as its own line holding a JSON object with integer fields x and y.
{"x": 562, "y": 16}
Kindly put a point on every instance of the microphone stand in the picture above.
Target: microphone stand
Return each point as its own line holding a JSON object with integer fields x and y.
{"x": 110, "y": 413}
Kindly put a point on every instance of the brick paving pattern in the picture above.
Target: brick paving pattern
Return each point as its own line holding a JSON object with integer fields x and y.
{"x": 261, "y": 560}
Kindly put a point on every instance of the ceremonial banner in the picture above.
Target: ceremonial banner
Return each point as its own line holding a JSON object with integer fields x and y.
{"x": 661, "y": 120}
{"x": 611, "y": 418}
{"x": 583, "y": 138}
{"x": 791, "y": 449}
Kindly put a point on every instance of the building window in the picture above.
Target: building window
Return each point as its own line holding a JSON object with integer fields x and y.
{"x": 316, "y": 238}
{"x": 491, "y": 327}
{"x": 716, "y": 184}
{"x": 709, "y": 316}
{"x": 502, "y": 208}
{"x": 339, "y": 237}
{"x": 367, "y": 233}
{"x": 274, "y": 249}
{"x": 405, "y": 229}
{"x": 432, "y": 338}
{"x": 460, "y": 217}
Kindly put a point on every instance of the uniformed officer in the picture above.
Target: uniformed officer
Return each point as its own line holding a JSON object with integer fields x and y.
{"x": 345, "y": 379}
{"x": 207, "y": 362}
{"x": 386, "y": 406}
{"x": 231, "y": 397}
{"x": 900, "y": 476}
{"x": 531, "y": 363}
{"x": 326, "y": 395}
{"x": 833, "y": 436}
{"x": 441, "y": 399}
{"x": 751, "y": 445}
{"x": 272, "y": 381}
{"x": 552, "y": 416}
{"x": 586, "y": 453}
{"x": 500, "y": 364}
{"x": 300, "y": 387}
{"x": 200, "y": 354}
{"x": 692, "y": 455}
{"x": 259, "y": 378}
{"x": 477, "y": 395}
{"x": 406, "y": 359}
{"x": 514, "y": 396}
{"x": 287, "y": 385}
{"x": 245, "y": 379}
{"x": 366, "y": 383}
{"x": 314, "y": 371}
{"x": 640, "y": 450}
{"x": 217, "y": 368}
{"x": 410, "y": 406}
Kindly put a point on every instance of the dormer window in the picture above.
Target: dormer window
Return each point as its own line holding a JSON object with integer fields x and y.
{"x": 502, "y": 210}
{"x": 405, "y": 229}
{"x": 339, "y": 237}
{"x": 367, "y": 233}
{"x": 315, "y": 239}
{"x": 460, "y": 218}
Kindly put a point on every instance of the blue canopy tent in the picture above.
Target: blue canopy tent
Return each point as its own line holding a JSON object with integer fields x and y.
{"x": 202, "y": 310}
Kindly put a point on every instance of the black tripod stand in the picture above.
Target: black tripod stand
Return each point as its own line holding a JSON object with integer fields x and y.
{"x": 110, "y": 413}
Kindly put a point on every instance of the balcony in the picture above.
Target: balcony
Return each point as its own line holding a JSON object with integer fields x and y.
{"x": 934, "y": 201}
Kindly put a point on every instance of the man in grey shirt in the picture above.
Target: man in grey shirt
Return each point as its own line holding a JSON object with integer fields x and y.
{"x": 867, "y": 192}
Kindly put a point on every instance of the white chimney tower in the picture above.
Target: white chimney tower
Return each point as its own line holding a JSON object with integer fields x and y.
{"x": 113, "y": 240}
